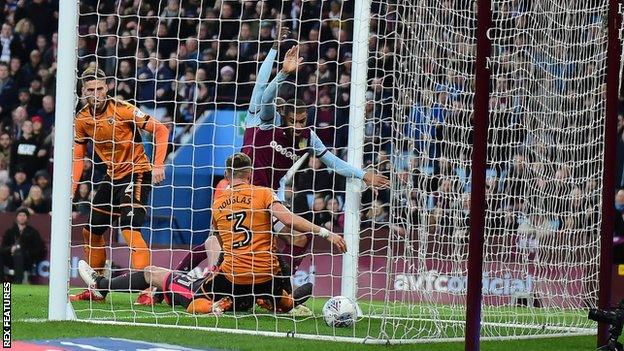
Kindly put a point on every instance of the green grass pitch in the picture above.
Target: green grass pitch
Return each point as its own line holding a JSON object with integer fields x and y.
{"x": 30, "y": 303}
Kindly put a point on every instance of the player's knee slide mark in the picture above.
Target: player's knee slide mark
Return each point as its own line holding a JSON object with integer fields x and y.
{"x": 131, "y": 216}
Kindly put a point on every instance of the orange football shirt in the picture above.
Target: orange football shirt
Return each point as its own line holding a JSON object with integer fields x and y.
{"x": 243, "y": 222}
{"x": 115, "y": 136}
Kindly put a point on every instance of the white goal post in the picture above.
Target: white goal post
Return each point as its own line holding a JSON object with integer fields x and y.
{"x": 58, "y": 304}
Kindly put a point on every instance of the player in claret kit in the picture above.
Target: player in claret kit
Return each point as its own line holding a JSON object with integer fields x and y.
{"x": 249, "y": 271}
{"x": 275, "y": 143}
{"x": 113, "y": 126}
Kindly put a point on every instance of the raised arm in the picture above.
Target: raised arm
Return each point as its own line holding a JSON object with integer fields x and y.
{"x": 302, "y": 225}
{"x": 290, "y": 65}
{"x": 262, "y": 79}
{"x": 343, "y": 168}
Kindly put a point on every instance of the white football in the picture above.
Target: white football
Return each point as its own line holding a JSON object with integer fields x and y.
{"x": 340, "y": 312}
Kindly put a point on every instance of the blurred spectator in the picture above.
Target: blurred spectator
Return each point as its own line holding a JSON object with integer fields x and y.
{"x": 170, "y": 13}
{"x": 336, "y": 216}
{"x": 47, "y": 112}
{"x": 41, "y": 43}
{"x": 46, "y": 77}
{"x": 375, "y": 216}
{"x": 166, "y": 43}
{"x": 25, "y": 101}
{"x": 14, "y": 126}
{"x": 226, "y": 88}
{"x": 20, "y": 186}
{"x": 515, "y": 183}
{"x": 8, "y": 91}
{"x": 229, "y": 19}
{"x": 40, "y": 135}
{"x": 318, "y": 213}
{"x": 247, "y": 47}
{"x": 17, "y": 74}
{"x": 36, "y": 202}
{"x": 50, "y": 55}
{"x": 107, "y": 55}
{"x": 42, "y": 180}
{"x": 31, "y": 68}
{"x": 5, "y": 177}
{"x": 21, "y": 249}
{"x": 6, "y": 200}
{"x": 325, "y": 120}
{"x": 266, "y": 39}
{"x": 153, "y": 86}
{"x": 124, "y": 85}
{"x": 24, "y": 35}
{"x": 9, "y": 44}
{"x": 5, "y": 148}
{"x": 192, "y": 92}
{"x": 45, "y": 13}
{"x": 29, "y": 151}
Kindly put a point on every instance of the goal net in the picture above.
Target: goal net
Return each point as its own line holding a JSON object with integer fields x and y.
{"x": 193, "y": 66}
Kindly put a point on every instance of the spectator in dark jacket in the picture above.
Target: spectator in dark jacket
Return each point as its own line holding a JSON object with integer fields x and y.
{"x": 42, "y": 179}
{"x": 8, "y": 93}
{"x": 154, "y": 85}
{"x": 26, "y": 101}
{"x": 20, "y": 80}
{"x": 47, "y": 112}
{"x": 9, "y": 44}
{"x": 22, "y": 247}
{"x": 44, "y": 12}
{"x": 20, "y": 186}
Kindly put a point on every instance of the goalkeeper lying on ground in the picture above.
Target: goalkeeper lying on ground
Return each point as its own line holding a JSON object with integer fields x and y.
{"x": 250, "y": 270}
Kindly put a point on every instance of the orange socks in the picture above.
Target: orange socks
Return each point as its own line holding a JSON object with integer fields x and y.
{"x": 94, "y": 251}
{"x": 139, "y": 252}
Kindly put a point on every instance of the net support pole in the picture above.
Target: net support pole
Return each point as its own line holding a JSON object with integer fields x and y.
{"x": 614, "y": 51}
{"x": 355, "y": 147}
{"x": 63, "y": 138}
{"x": 477, "y": 195}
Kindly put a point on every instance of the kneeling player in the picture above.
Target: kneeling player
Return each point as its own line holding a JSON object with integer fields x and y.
{"x": 250, "y": 270}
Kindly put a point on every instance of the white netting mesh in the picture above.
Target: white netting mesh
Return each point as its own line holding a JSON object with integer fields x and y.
{"x": 431, "y": 153}
{"x": 193, "y": 66}
{"x": 546, "y": 146}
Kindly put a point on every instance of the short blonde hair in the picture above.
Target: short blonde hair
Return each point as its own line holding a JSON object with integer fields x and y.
{"x": 237, "y": 165}
{"x": 92, "y": 73}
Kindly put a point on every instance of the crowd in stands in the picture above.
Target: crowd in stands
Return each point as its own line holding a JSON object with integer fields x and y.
{"x": 177, "y": 60}
{"x": 28, "y": 51}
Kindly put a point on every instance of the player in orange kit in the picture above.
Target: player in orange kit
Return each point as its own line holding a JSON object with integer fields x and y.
{"x": 242, "y": 221}
{"x": 113, "y": 126}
